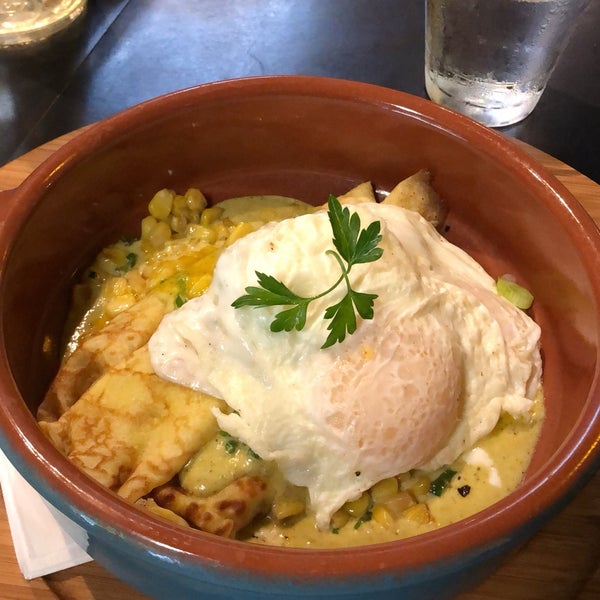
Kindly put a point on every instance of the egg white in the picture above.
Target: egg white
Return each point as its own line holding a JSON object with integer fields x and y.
{"x": 414, "y": 387}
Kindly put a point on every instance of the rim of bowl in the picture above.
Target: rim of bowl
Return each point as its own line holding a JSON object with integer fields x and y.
{"x": 571, "y": 464}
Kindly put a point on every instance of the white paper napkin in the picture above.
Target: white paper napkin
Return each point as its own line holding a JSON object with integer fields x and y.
{"x": 45, "y": 540}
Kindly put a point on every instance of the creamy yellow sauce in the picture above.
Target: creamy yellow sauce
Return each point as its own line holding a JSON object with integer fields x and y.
{"x": 510, "y": 447}
{"x": 181, "y": 269}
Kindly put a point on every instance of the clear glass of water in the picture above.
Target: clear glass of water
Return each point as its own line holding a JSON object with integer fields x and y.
{"x": 25, "y": 22}
{"x": 491, "y": 59}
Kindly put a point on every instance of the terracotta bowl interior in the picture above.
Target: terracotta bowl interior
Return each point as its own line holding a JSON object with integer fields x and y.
{"x": 251, "y": 140}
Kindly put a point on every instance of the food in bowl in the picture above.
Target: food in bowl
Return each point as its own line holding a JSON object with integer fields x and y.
{"x": 194, "y": 403}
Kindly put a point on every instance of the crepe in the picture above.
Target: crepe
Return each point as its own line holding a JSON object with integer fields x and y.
{"x": 224, "y": 513}
{"x": 99, "y": 351}
{"x": 132, "y": 431}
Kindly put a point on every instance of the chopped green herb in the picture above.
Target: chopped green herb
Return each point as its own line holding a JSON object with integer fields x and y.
{"x": 367, "y": 516}
{"x": 181, "y": 297}
{"x": 354, "y": 246}
{"x": 130, "y": 261}
{"x": 335, "y": 530}
{"x": 439, "y": 484}
{"x": 232, "y": 445}
{"x": 252, "y": 453}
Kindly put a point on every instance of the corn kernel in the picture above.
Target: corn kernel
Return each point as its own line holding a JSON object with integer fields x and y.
{"x": 339, "y": 519}
{"x": 154, "y": 233}
{"x": 179, "y": 205}
{"x": 384, "y": 489}
{"x": 105, "y": 264}
{"x": 117, "y": 286}
{"x": 357, "y": 508}
{"x": 399, "y": 503}
{"x": 420, "y": 486}
{"x": 118, "y": 303}
{"x": 201, "y": 233}
{"x": 383, "y": 516}
{"x": 419, "y": 513}
{"x": 147, "y": 225}
{"x": 284, "y": 508}
{"x": 222, "y": 230}
{"x": 210, "y": 215}
{"x": 157, "y": 236}
{"x": 178, "y": 223}
{"x": 136, "y": 282}
{"x": 161, "y": 203}
{"x": 195, "y": 200}
{"x": 193, "y": 217}
{"x": 404, "y": 477}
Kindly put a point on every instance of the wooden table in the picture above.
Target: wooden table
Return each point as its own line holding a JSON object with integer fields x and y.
{"x": 562, "y": 562}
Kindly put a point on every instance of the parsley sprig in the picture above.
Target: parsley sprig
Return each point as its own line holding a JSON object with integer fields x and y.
{"x": 354, "y": 246}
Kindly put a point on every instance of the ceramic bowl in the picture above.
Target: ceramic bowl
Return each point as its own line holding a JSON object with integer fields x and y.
{"x": 303, "y": 137}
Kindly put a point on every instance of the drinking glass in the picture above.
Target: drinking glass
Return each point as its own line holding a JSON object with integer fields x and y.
{"x": 24, "y": 22}
{"x": 491, "y": 59}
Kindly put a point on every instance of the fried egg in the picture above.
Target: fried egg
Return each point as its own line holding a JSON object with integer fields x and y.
{"x": 414, "y": 387}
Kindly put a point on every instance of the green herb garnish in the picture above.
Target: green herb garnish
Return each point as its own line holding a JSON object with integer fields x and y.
{"x": 354, "y": 246}
{"x": 130, "y": 262}
{"x": 439, "y": 484}
{"x": 232, "y": 445}
{"x": 366, "y": 516}
{"x": 181, "y": 297}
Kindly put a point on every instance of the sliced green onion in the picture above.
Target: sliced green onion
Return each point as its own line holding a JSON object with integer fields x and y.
{"x": 516, "y": 294}
{"x": 439, "y": 484}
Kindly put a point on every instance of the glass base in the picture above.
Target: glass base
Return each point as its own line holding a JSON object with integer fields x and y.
{"x": 491, "y": 103}
{"x": 25, "y": 22}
